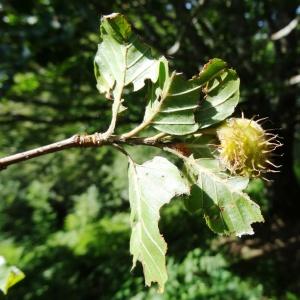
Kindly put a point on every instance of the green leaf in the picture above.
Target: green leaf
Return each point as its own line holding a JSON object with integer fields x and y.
{"x": 221, "y": 98}
{"x": 172, "y": 102}
{"x": 151, "y": 185}
{"x": 200, "y": 145}
{"x": 193, "y": 202}
{"x": 121, "y": 58}
{"x": 227, "y": 210}
{"x": 211, "y": 70}
{"x": 9, "y": 276}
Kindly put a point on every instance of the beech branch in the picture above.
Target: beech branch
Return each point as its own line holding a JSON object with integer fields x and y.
{"x": 81, "y": 141}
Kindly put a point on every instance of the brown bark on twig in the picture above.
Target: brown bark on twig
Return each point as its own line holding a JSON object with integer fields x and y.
{"x": 76, "y": 141}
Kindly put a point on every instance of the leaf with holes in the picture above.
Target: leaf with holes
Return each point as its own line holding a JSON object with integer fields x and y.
{"x": 226, "y": 208}
{"x": 151, "y": 185}
{"x": 121, "y": 58}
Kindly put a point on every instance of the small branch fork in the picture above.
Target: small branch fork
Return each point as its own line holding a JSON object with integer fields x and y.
{"x": 97, "y": 139}
{"x": 81, "y": 141}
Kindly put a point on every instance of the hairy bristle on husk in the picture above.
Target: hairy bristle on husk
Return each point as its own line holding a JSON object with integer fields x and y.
{"x": 245, "y": 147}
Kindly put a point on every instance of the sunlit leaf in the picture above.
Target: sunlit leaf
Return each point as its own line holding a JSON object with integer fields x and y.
{"x": 9, "y": 276}
{"x": 172, "y": 102}
{"x": 179, "y": 106}
{"x": 151, "y": 185}
{"x": 220, "y": 100}
{"x": 226, "y": 208}
{"x": 122, "y": 59}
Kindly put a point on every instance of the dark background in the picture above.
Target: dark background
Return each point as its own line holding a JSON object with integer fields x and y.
{"x": 64, "y": 218}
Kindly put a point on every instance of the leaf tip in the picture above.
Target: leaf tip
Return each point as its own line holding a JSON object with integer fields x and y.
{"x": 117, "y": 26}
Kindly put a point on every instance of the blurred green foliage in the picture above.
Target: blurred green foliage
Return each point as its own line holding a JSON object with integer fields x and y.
{"x": 64, "y": 218}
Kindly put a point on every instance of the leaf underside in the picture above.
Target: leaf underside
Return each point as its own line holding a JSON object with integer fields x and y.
{"x": 221, "y": 98}
{"x": 226, "y": 208}
{"x": 172, "y": 102}
{"x": 151, "y": 185}
{"x": 179, "y": 106}
{"x": 176, "y": 106}
{"x": 122, "y": 59}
